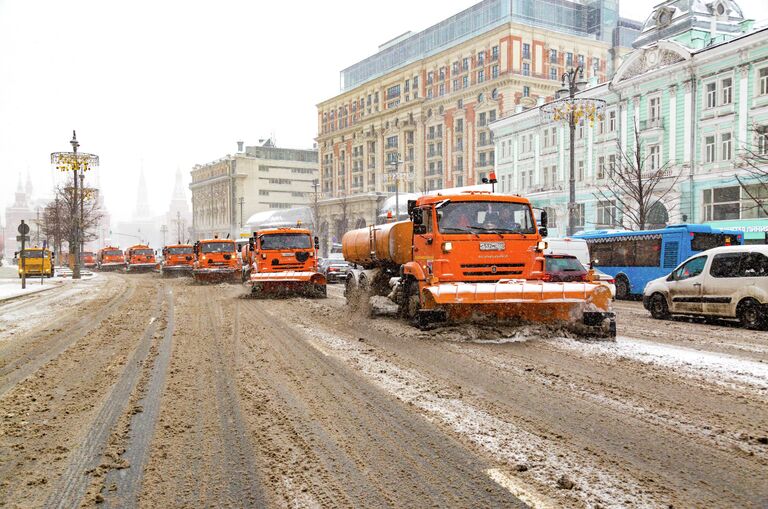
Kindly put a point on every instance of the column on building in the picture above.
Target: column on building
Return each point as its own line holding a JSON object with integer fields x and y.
{"x": 687, "y": 126}
{"x": 672, "y": 128}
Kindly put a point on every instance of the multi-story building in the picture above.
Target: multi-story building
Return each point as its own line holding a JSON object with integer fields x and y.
{"x": 427, "y": 99}
{"x": 696, "y": 91}
{"x": 226, "y": 192}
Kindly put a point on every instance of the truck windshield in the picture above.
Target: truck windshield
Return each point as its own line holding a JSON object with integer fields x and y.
{"x": 113, "y": 252}
{"x": 217, "y": 247}
{"x": 31, "y": 254}
{"x": 180, "y": 250}
{"x": 143, "y": 252}
{"x": 485, "y": 216}
{"x": 286, "y": 241}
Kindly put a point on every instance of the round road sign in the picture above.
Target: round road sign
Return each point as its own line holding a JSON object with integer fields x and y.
{"x": 23, "y": 228}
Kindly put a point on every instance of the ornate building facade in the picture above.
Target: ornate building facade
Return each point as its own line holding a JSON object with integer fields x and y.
{"x": 418, "y": 111}
{"x": 696, "y": 91}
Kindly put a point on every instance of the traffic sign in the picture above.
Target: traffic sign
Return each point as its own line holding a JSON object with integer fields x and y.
{"x": 22, "y": 238}
{"x": 23, "y": 228}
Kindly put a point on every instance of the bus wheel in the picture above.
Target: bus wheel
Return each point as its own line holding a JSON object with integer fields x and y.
{"x": 658, "y": 306}
{"x": 750, "y": 314}
{"x": 622, "y": 288}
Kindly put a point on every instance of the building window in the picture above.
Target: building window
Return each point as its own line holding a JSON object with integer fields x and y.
{"x": 722, "y": 204}
{"x": 711, "y": 92}
{"x": 763, "y": 73}
{"x": 709, "y": 149}
{"x": 263, "y": 192}
{"x": 441, "y": 90}
{"x": 579, "y": 213}
{"x": 580, "y": 171}
{"x": 654, "y": 157}
{"x": 595, "y": 64}
{"x": 612, "y": 121}
{"x": 606, "y": 213}
{"x": 526, "y": 91}
{"x": 545, "y": 136}
{"x": 581, "y": 60}
{"x": 455, "y": 67}
{"x": 601, "y": 124}
{"x": 569, "y": 59}
{"x": 430, "y": 77}
{"x": 553, "y": 73}
{"x": 526, "y": 69}
{"x": 554, "y": 181}
{"x": 481, "y": 58}
{"x": 725, "y": 145}
{"x": 495, "y": 71}
{"x": 726, "y": 91}
{"x": 654, "y": 109}
{"x": 393, "y": 91}
{"x": 456, "y": 84}
{"x": 392, "y": 142}
{"x": 442, "y": 74}
{"x": 526, "y": 50}
{"x": 553, "y": 134}
{"x": 465, "y": 64}
{"x": 465, "y": 81}
{"x": 480, "y": 76}
{"x": 601, "y": 167}
{"x": 495, "y": 53}
{"x": 611, "y": 164}
{"x": 553, "y": 56}
{"x": 761, "y": 143}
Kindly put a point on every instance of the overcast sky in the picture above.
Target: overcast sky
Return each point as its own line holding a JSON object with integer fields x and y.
{"x": 168, "y": 84}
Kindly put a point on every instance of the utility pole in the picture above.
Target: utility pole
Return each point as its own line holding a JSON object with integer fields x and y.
{"x": 37, "y": 234}
{"x": 315, "y": 209}
{"x": 241, "y": 200}
{"x": 81, "y": 229}
{"x": 164, "y": 229}
{"x": 178, "y": 226}
{"x": 397, "y": 162}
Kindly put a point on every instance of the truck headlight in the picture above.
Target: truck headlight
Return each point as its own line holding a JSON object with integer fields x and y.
{"x": 447, "y": 247}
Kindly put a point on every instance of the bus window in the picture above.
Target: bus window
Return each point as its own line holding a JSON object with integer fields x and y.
{"x": 704, "y": 241}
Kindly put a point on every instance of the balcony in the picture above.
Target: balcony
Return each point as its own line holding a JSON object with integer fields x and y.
{"x": 484, "y": 143}
{"x": 652, "y": 123}
{"x": 434, "y": 153}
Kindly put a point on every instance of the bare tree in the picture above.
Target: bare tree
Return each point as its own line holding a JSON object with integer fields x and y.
{"x": 754, "y": 162}
{"x": 60, "y": 217}
{"x": 342, "y": 224}
{"x": 636, "y": 184}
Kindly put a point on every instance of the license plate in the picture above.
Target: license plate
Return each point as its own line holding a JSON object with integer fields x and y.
{"x": 491, "y": 246}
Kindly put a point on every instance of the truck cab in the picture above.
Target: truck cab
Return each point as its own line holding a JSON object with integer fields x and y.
{"x": 216, "y": 260}
{"x": 88, "y": 259}
{"x": 178, "y": 258}
{"x": 35, "y": 261}
{"x": 110, "y": 258}
{"x": 140, "y": 258}
{"x": 283, "y": 249}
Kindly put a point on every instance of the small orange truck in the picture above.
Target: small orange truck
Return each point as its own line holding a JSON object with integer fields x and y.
{"x": 178, "y": 260}
{"x": 283, "y": 261}
{"x": 88, "y": 259}
{"x": 140, "y": 258}
{"x": 216, "y": 260}
{"x": 110, "y": 258}
{"x": 473, "y": 256}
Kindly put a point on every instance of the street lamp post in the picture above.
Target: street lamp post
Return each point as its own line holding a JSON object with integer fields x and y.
{"x": 74, "y": 162}
{"x": 572, "y": 110}
{"x": 396, "y": 162}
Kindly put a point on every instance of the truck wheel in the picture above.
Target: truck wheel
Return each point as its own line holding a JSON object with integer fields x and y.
{"x": 410, "y": 303}
{"x": 750, "y": 314}
{"x": 321, "y": 291}
{"x": 622, "y": 288}
{"x": 658, "y": 307}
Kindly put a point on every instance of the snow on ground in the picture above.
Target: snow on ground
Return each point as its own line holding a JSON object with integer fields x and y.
{"x": 714, "y": 367}
{"x": 10, "y": 283}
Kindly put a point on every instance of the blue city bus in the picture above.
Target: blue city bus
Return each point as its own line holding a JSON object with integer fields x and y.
{"x": 635, "y": 257}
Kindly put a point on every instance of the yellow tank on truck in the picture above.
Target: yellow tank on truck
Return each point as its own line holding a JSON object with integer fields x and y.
{"x": 375, "y": 246}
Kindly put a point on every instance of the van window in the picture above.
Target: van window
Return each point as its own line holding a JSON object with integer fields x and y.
{"x": 754, "y": 265}
{"x": 726, "y": 265}
{"x": 691, "y": 268}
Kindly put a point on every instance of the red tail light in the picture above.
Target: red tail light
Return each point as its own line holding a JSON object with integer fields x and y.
{"x": 546, "y": 277}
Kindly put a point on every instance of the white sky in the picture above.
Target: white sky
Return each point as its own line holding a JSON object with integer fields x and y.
{"x": 172, "y": 83}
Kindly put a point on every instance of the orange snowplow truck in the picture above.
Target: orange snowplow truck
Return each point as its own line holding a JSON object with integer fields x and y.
{"x": 110, "y": 258}
{"x": 284, "y": 261}
{"x": 140, "y": 258}
{"x": 178, "y": 260}
{"x": 216, "y": 261}
{"x": 473, "y": 256}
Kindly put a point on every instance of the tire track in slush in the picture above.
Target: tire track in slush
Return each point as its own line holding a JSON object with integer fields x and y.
{"x": 24, "y": 366}
{"x": 74, "y": 482}
{"x": 127, "y": 482}
{"x": 239, "y": 463}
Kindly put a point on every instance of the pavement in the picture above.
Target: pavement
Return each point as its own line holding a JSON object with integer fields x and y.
{"x": 10, "y": 283}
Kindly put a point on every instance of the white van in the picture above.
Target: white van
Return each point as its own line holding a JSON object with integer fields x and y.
{"x": 569, "y": 246}
{"x": 726, "y": 282}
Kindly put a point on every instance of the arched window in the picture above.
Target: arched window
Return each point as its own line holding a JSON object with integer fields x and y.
{"x": 658, "y": 217}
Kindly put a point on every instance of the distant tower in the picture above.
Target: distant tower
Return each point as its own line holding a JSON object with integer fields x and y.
{"x": 178, "y": 217}
{"x": 142, "y": 202}
{"x": 29, "y": 187}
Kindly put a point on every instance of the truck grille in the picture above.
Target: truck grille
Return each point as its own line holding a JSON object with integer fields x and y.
{"x": 493, "y": 269}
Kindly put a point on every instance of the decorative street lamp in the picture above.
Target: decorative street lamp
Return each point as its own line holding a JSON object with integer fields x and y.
{"x": 75, "y": 162}
{"x": 572, "y": 110}
{"x": 395, "y": 162}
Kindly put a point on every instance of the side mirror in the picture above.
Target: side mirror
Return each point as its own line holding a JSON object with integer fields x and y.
{"x": 317, "y": 242}
{"x": 419, "y": 229}
{"x": 411, "y": 206}
{"x": 418, "y": 217}
{"x": 543, "y": 231}
{"x": 544, "y": 220}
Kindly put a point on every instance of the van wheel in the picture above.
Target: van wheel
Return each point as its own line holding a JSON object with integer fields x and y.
{"x": 622, "y": 288}
{"x": 751, "y": 314}
{"x": 659, "y": 308}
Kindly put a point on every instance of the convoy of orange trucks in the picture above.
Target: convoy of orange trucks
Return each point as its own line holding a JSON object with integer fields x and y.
{"x": 281, "y": 261}
{"x": 140, "y": 258}
{"x": 216, "y": 260}
{"x": 470, "y": 256}
{"x": 178, "y": 260}
{"x": 110, "y": 258}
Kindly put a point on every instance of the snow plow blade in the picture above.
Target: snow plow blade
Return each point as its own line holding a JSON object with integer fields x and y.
{"x": 212, "y": 276}
{"x": 583, "y": 307}
{"x": 287, "y": 283}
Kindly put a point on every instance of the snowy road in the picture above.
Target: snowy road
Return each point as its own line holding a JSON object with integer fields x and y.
{"x": 164, "y": 394}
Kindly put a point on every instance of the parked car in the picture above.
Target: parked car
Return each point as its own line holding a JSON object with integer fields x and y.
{"x": 569, "y": 246}
{"x": 335, "y": 270}
{"x": 724, "y": 282}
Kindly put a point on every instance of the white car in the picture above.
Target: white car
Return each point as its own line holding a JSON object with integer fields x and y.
{"x": 725, "y": 282}
{"x": 605, "y": 279}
